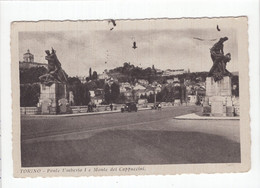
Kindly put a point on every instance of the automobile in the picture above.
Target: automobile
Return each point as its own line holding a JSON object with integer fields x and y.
{"x": 129, "y": 107}
{"x": 156, "y": 106}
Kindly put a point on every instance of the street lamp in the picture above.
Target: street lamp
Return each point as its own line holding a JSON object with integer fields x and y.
{"x": 155, "y": 96}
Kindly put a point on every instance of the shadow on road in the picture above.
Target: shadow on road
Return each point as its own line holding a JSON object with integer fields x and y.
{"x": 132, "y": 147}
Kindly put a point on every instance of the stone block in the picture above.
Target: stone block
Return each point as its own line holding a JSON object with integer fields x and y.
{"x": 229, "y": 101}
{"x": 206, "y": 110}
{"x": 45, "y": 106}
{"x": 219, "y": 88}
{"x": 49, "y": 97}
{"x": 217, "y": 108}
{"x": 236, "y": 110}
{"x": 63, "y": 106}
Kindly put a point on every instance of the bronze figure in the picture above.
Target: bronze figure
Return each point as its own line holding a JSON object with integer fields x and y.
{"x": 55, "y": 73}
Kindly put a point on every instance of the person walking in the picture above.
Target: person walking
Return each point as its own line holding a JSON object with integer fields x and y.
{"x": 159, "y": 106}
{"x": 111, "y": 107}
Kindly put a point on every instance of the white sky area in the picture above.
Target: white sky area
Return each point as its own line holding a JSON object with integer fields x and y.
{"x": 164, "y": 44}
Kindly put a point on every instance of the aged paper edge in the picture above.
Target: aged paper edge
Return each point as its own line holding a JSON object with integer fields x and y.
{"x": 76, "y": 171}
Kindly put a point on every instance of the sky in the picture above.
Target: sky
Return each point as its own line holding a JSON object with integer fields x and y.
{"x": 166, "y": 45}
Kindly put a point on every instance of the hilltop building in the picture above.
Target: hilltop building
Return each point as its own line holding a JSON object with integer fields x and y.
{"x": 28, "y": 61}
{"x": 170, "y": 72}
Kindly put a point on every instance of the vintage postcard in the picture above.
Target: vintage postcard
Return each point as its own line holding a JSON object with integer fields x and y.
{"x": 130, "y": 97}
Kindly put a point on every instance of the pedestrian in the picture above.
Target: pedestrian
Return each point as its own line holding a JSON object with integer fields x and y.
{"x": 89, "y": 107}
{"x": 111, "y": 106}
{"x": 159, "y": 106}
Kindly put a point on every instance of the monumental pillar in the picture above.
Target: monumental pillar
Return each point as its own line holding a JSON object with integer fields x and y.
{"x": 53, "y": 96}
{"x": 218, "y": 100}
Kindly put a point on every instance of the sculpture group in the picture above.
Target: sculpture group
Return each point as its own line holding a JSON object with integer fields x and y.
{"x": 220, "y": 60}
{"x": 53, "y": 96}
{"x": 218, "y": 99}
{"x": 55, "y": 73}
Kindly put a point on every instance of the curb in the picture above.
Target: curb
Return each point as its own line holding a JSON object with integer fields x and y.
{"x": 194, "y": 116}
{"x": 78, "y": 114}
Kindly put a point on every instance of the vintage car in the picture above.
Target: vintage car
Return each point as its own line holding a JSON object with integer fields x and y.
{"x": 129, "y": 107}
{"x": 156, "y": 106}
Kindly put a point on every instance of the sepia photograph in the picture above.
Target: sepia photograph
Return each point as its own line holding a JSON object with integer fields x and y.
{"x": 130, "y": 96}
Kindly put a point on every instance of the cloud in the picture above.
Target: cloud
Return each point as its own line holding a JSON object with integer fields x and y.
{"x": 165, "y": 48}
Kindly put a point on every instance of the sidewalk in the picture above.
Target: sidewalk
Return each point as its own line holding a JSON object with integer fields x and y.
{"x": 78, "y": 114}
{"x": 194, "y": 116}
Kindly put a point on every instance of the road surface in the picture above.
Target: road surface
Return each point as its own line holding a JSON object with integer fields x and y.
{"x": 143, "y": 137}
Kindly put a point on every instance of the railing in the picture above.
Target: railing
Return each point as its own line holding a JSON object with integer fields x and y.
{"x": 98, "y": 108}
{"x": 29, "y": 110}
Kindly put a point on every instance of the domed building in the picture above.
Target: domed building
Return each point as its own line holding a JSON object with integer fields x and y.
{"x": 28, "y": 57}
{"x": 28, "y": 61}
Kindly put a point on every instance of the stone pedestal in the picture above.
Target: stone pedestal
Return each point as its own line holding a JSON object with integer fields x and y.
{"x": 218, "y": 97}
{"x": 49, "y": 97}
{"x": 219, "y": 88}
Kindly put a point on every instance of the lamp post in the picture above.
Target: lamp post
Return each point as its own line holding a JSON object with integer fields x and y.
{"x": 155, "y": 96}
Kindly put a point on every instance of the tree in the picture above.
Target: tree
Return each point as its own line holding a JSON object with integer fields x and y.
{"x": 121, "y": 99}
{"x": 115, "y": 91}
{"x": 107, "y": 94}
{"x": 100, "y": 83}
{"x": 94, "y": 76}
{"x": 29, "y": 94}
{"x": 159, "y": 97}
{"x": 87, "y": 79}
{"x": 73, "y": 80}
{"x": 151, "y": 98}
{"x": 91, "y": 85}
{"x": 86, "y": 98}
{"x": 90, "y": 73}
{"x": 31, "y": 75}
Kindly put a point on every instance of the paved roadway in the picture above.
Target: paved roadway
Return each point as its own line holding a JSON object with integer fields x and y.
{"x": 143, "y": 137}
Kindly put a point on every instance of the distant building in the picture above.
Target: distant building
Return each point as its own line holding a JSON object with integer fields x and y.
{"x": 143, "y": 82}
{"x": 149, "y": 90}
{"x": 128, "y": 93}
{"x": 158, "y": 89}
{"x": 125, "y": 84}
{"x": 103, "y": 76}
{"x": 159, "y": 71}
{"x": 97, "y": 100}
{"x": 110, "y": 81}
{"x": 92, "y": 93}
{"x": 28, "y": 57}
{"x": 140, "y": 92}
{"x": 142, "y": 102}
{"x": 176, "y": 82}
{"x": 99, "y": 92}
{"x": 170, "y": 72}
{"x": 201, "y": 91}
{"x": 170, "y": 81}
{"x": 28, "y": 61}
{"x": 192, "y": 99}
{"x": 139, "y": 87}
{"x": 122, "y": 89}
{"x": 82, "y": 79}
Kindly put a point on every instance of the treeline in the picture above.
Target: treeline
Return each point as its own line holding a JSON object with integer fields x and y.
{"x": 29, "y": 94}
{"x": 167, "y": 94}
{"x": 112, "y": 94}
{"x": 30, "y": 91}
{"x": 131, "y": 73}
{"x": 81, "y": 91}
{"x": 31, "y": 75}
